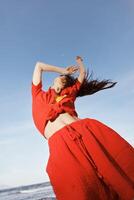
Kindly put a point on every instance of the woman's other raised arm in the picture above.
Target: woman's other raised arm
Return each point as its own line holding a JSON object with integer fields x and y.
{"x": 82, "y": 71}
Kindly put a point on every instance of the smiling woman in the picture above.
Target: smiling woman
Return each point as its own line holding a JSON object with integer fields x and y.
{"x": 88, "y": 159}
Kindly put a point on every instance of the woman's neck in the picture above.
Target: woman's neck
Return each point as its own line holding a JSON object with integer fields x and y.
{"x": 57, "y": 89}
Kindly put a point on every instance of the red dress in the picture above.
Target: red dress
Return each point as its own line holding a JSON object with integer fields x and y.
{"x": 88, "y": 160}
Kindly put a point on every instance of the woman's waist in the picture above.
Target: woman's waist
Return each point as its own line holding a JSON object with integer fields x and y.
{"x": 62, "y": 120}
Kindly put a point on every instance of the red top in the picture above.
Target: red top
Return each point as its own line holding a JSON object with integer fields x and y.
{"x": 47, "y": 106}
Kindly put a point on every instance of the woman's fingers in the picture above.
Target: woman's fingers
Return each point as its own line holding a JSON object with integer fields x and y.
{"x": 75, "y": 68}
{"x": 72, "y": 68}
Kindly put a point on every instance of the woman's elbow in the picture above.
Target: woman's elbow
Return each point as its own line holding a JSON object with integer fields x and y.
{"x": 38, "y": 65}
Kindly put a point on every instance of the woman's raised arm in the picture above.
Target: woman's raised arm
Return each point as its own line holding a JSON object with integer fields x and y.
{"x": 62, "y": 70}
{"x": 40, "y": 66}
{"x": 82, "y": 70}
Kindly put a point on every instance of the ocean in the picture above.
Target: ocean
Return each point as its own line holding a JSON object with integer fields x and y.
{"x": 40, "y": 191}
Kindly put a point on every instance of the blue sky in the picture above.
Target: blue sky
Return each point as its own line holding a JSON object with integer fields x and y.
{"x": 55, "y": 32}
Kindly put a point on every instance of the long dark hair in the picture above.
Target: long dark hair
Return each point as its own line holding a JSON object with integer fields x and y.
{"x": 89, "y": 85}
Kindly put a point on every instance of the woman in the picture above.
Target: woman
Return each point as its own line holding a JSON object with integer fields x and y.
{"x": 88, "y": 160}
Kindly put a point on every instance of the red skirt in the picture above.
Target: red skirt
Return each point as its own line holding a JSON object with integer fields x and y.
{"x": 90, "y": 161}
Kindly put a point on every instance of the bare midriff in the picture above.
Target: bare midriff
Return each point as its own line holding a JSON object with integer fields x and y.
{"x": 62, "y": 120}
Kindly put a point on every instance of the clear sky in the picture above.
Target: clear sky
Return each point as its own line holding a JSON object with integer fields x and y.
{"x": 55, "y": 32}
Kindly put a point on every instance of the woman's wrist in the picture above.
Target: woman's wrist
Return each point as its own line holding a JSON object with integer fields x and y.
{"x": 82, "y": 67}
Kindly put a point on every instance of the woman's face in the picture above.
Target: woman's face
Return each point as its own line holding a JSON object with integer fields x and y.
{"x": 60, "y": 81}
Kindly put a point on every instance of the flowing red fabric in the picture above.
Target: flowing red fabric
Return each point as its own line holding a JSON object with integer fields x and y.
{"x": 88, "y": 160}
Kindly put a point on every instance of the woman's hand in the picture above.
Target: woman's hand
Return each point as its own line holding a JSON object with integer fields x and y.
{"x": 70, "y": 69}
{"x": 79, "y": 60}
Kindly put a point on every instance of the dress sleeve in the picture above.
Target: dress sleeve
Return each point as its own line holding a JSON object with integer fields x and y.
{"x": 36, "y": 89}
{"x": 75, "y": 87}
